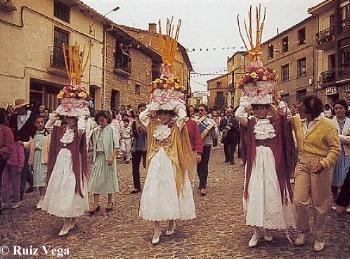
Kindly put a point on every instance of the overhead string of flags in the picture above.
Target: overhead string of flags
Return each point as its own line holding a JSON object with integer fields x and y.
{"x": 214, "y": 73}
{"x": 189, "y": 50}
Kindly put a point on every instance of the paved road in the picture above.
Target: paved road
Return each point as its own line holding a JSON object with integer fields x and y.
{"x": 217, "y": 232}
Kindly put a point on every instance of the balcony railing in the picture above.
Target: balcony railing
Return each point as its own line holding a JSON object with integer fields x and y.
{"x": 344, "y": 72}
{"x": 328, "y": 76}
{"x": 326, "y": 35}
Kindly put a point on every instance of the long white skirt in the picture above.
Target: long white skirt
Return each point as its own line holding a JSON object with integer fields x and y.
{"x": 60, "y": 198}
{"x": 159, "y": 200}
{"x": 263, "y": 207}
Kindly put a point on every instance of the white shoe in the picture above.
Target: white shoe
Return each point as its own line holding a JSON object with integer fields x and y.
{"x": 65, "y": 229}
{"x": 253, "y": 242}
{"x": 348, "y": 210}
{"x": 39, "y": 205}
{"x": 318, "y": 246}
{"x": 15, "y": 204}
{"x": 268, "y": 236}
{"x": 170, "y": 230}
{"x": 300, "y": 240}
{"x": 333, "y": 208}
{"x": 156, "y": 237}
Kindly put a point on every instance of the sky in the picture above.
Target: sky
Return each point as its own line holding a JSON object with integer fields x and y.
{"x": 206, "y": 24}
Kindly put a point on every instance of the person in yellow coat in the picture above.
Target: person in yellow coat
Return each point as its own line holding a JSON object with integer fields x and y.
{"x": 318, "y": 150}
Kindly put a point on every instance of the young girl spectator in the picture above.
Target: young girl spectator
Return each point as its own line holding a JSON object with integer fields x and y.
{"x": 37, "y": 160}
{"x": 104, "y": 178}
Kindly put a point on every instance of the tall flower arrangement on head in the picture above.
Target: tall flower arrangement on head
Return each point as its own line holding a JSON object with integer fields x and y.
{"x": 75, "y": 66}
{"x": 256, "y": 70}
{"x": 167, "y": 90}
{"x": 168, "y": 48}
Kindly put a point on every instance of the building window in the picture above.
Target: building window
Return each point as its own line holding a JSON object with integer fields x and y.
{"x": 285, "y": 44}
{"x": 115, "y": 99}
{"x": 270, "y": 51}
{"x": 301, "y": 36}
{"x": 301, "y": 67}
{"x": 137, "y": 89}
{"x": 220, "y": 100}
{"x": 344, "y": 56}
{"x": 331, "y": 62}
{"x": 60, "y": 37}
{"x": 218, "y": 84}
{"x": 122, "y": 59}
{"x": 61, "y": 11}
{"x": 285, "y": 73}
{"x": 345, "y": 18}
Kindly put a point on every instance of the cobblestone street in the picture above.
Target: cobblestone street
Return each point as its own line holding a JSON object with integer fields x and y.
{"x": 217, "y": 232}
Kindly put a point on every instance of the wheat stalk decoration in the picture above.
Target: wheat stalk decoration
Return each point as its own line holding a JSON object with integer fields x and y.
{"x": 254, "y": 48}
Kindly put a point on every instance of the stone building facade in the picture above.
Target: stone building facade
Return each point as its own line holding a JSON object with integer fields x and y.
{"x": 32, "y": 33}
{"x": 150, "y": 38}
{"x": 128, "y": 70}
{"x": 218, "y": 89}
{"x": 293, "y": 55}
{"x": 333, "y": 46}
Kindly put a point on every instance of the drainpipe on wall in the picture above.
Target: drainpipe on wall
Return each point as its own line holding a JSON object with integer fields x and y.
{"x": 104, "y": 65}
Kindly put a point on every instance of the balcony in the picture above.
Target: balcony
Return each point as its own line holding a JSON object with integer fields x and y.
{"x": 344, "y": 72}
{"x": 328, "y": 76}
{"x": 7, "y": 6}
{"x": 326, "y": 38}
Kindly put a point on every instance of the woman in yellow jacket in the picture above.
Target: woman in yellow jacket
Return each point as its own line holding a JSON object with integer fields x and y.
{"x": 318, "y": 150}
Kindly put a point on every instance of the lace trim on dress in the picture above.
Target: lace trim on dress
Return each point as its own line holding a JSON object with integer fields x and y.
{"x": 263, "y": 129}
{"x": 68, "y": 136}
{"x": 161, "y": 132}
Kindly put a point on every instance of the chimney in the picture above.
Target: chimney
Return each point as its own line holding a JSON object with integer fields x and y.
{"x": 152, "y": 27}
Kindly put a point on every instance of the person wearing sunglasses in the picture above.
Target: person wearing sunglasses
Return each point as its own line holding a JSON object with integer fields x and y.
{"x": 269, "y": 149}
{"x": 209, "y": 132}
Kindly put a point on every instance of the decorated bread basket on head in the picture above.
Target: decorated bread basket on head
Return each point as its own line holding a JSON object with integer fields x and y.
{"x": 73, "y": 97}
{"x": 258, "y": 82}
{"x": 166, "y": 91}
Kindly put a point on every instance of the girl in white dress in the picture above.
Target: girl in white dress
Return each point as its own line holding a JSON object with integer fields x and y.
{"x": 167, "y": 193}
{"x": 66, "y": 194}
{"x": 269, "y": 162}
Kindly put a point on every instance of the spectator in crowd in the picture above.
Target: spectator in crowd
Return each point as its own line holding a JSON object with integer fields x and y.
{"x": 343, "y": 199}
{"x": 139, "y": 149}
{"x": 209, "y": 132}
{"x": 126, "y": 139}
{"x": 216, "y": 117}
{"x": 6, "y": 142}
{"x": 104, "y": 178}
{"x": 229, "y": 126}
{"x": 45, "y": 114}
{"x": 328, "y": 112}
{"x": 342, "y": 166}
{"x": 318, "y": 150}
{"x": 195, "y": 135}
{"x": 11, "y": 176}
{"x": 23, "y": 125}
{"x": 38, "y": 154}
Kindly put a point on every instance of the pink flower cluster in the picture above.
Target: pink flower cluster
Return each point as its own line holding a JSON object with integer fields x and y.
{"x": 255, "y": 73}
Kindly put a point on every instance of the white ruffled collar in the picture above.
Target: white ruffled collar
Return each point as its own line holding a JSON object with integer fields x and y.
{"x": 68, "y": 136}
{"x": 161, "y": 132}
{"x": 263, "y": 129}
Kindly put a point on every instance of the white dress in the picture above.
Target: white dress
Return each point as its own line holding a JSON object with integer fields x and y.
{"x": 61, "y": 199}
{"x": 263, "y": 207}
{"x": 159, "y": 200}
